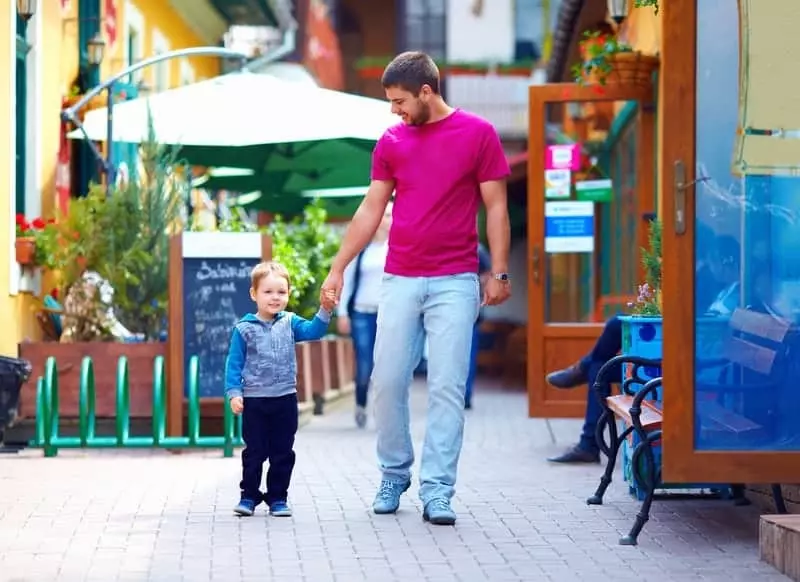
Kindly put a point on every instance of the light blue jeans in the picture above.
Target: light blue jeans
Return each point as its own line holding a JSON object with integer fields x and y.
{"x": 444, "y": 309}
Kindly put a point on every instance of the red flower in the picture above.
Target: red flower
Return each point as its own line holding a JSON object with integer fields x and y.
{"x": 598, "y": 90}
{"x": 76, "y": 236}
{"x": 38, "y": 223}
{"x": 20, "y": 219}
{"x": 51, "y": 221}
{"x": 54, "y": 293}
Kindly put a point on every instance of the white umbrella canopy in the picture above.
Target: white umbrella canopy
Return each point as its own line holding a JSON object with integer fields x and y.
{"x": 243, "y": 109}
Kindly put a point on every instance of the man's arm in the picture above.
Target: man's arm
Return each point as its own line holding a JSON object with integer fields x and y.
{"x": 498, "y": 229}
{"x": 364, "y": 223}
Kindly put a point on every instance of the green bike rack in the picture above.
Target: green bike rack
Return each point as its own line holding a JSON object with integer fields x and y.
{"x": 47, "y": 417}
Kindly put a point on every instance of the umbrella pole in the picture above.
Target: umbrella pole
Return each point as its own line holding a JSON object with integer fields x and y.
{"x": 110, "y": 170}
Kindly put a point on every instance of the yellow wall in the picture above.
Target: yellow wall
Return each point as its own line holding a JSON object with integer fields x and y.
{"x": 642, "y": 30}
{"x": 8, "y": 304}
{"x": 158, "y": 14}
{"x": 59, "y": 67}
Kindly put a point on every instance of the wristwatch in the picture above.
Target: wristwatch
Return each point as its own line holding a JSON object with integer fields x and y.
{"x": 504, "y": 277}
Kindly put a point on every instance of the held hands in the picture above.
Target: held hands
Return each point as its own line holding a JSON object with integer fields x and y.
{"x": 331, "y": 288}
{"x": 327, "y": 299}
{"x": 496, "y": 292}
{"x": 237, "y": 405}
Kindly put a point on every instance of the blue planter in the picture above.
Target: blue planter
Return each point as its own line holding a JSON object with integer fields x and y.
{"x": 643, "y": 336}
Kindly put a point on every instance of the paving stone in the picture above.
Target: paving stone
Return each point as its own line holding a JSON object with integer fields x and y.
{"x": 152, "y": 516}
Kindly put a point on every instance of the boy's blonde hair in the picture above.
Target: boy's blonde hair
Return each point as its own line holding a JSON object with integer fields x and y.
{"x": 266, "y": 269}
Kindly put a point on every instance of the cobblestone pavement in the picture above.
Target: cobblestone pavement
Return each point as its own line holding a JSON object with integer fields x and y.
{"x": 107, "y": 515}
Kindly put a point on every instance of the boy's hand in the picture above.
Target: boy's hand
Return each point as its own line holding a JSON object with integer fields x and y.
{"x": 237, "y": 405}
{"x": 328, "y": 300}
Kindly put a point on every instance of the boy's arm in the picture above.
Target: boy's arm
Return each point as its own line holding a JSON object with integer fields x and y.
{"x": 234, "y": 364}
{"x": 305, "y": 330}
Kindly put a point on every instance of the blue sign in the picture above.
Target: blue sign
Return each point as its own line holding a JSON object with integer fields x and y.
{"x": 569, "y": 227}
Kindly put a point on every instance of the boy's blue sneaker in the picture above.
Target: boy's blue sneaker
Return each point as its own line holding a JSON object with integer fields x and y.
{"x": 438, "y": 512}
{"x": 280, "y": 509}
{"x": 245, "y": 508}
{"x": 387, "y": 500}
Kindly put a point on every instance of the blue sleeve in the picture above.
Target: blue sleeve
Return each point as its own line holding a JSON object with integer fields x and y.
{"x": 234, "y": 365}
{"x": 315, "y": 329}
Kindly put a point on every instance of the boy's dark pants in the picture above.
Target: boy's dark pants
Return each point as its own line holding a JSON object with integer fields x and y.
{"x": 268, "y": 429}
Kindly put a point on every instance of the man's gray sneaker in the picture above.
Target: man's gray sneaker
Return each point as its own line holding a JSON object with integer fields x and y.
{"x": 439, "y": 512}
{"x": 387, "y": 499}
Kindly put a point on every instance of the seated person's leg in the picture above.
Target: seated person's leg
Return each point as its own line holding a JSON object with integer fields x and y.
{"x": 586, "y": 451}
{"x": 607, "y": 346}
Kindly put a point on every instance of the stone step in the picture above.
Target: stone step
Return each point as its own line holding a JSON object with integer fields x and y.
{"x": 779, "y": 543}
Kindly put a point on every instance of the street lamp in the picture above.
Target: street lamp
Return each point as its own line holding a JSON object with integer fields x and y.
{"x": 26, "y": 9}
{"x": 618, "y": 10}
{"x": 95, "y": 49}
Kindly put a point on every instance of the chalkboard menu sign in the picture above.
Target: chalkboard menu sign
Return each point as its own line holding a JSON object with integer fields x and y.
{"x": 209, "y": 293}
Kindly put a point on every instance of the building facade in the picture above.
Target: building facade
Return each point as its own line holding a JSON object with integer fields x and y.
{"x": 38, "y": 164}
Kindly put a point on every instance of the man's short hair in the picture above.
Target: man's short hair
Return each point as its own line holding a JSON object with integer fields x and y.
{"x": 410, "y": 71}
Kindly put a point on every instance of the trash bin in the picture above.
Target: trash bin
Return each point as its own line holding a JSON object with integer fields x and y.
{"x": 13, "y": 374}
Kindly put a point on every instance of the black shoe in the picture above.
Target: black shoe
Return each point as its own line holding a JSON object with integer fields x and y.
{"x": 576, "y": 455}
{"x": 571, "y": 377}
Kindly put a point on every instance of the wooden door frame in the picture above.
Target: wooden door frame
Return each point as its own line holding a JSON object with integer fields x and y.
{"x": 681, "y": 462}
{"x": 539, "y": 96}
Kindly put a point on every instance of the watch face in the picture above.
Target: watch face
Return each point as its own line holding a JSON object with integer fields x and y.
{"x": 501, "y": 276}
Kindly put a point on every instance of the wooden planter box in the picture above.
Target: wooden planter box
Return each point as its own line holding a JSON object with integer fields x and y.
{"x": 104, "y": 356}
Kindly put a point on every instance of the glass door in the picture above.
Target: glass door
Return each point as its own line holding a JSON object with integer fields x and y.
{"x": 591, "y": 192}
{"x": 732, "y": 210}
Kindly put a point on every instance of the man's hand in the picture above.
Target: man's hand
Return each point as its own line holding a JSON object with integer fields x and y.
{"x": 332, "y": 287}
{"x": 328, "y": 300}
{"x": 496, "y": 292}
{"x": 237, "y": 405}
{"x": 343, "y": 325}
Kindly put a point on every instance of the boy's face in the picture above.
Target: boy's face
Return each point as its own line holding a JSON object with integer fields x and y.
{"x": 272, "y": 294}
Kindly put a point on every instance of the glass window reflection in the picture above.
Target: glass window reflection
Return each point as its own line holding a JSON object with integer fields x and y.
{"x": 747, "y": 272}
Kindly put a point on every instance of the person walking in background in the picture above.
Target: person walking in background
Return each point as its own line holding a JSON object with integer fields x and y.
{"x": 261, "y": 385}
{"x": 484, "y": 272}
{"x": 357, "y": 312}
{"x": 439, "y": 163}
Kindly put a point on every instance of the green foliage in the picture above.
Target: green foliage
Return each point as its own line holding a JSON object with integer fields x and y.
{"x": 648, "y": 301}
{"x": 598, "y": 48}
{"x": 306, "y": 246}
{"x": 140, "y": 215}
{"x": 646, "y": 3}
{"x": 124, "y": 237}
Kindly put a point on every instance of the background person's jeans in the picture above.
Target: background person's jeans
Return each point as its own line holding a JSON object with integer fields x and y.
{"x": 445, "y": 310}
{"x": 606, "y": 347}
{"x": 473, "y": 365}
{"x": 363, "y": 328}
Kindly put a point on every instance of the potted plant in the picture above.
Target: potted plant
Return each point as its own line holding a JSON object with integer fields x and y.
{"x": 108, "y": 258}
{"x": 371, "y": 67}
{"x": 607, "y": 61}
{"x": 646, "y": 3}
{"x": 31, "y": 246}
{"x": 642, "y": 329}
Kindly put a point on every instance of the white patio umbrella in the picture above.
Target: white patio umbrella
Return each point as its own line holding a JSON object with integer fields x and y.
{"x": 237, "y": 119}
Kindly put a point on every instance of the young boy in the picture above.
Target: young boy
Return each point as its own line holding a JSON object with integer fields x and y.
{"x": 260, "y": 383}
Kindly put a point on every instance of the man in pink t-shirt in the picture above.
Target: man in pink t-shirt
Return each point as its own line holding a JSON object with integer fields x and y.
{"x": 440, "y": 163}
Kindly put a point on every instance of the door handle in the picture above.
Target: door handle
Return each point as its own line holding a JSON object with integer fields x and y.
{"x": 536, "y": 263}
{"x": 680, "y": 187}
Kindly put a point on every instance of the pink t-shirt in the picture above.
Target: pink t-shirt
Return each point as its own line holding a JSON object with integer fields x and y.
{"x": 437, "y": 169}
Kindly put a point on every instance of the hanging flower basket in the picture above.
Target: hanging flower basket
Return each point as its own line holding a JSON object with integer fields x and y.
{"x": 25, "y": 248}
{"x": 631, "y": 68}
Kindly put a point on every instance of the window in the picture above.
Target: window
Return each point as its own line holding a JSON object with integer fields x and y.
{"x": 186, "y": 72}
{"x": 425, "y": 27}
{"x": 21, "y": 109}
{"x": 164, "y": 68}
{"x": 134, "y": 40}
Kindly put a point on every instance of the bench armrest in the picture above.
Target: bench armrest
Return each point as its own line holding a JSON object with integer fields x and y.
{"x": 604, "y": 376}
{"x": 636, "y": 405}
